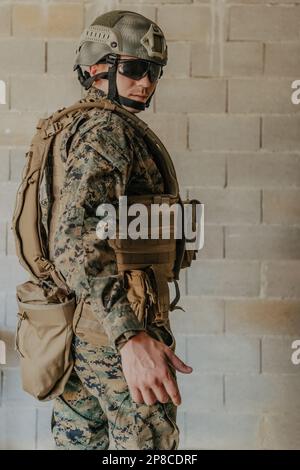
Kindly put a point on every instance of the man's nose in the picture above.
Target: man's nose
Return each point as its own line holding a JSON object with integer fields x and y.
{"x": 144, "y": 81}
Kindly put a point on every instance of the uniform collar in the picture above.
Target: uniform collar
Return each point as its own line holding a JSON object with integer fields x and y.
{"x": 95, "y": 93}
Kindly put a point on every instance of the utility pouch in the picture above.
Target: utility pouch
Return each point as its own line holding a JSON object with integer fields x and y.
{"x": 43, "y": 340}
{"x": 139, "y": 293}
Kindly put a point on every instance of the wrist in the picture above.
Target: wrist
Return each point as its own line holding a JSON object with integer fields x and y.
{"x": 141, "y": 335}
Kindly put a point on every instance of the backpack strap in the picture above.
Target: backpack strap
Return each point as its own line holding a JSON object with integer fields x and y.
{"x": 26, "y": 223}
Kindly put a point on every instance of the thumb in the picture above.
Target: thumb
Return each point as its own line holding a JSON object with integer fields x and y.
{"x": 177, "y": 363}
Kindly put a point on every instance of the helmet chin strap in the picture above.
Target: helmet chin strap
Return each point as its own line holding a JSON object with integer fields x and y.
{"x": 87, "y": 80}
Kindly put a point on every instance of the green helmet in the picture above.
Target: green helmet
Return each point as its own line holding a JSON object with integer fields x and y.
{"x": 115, "y": 33}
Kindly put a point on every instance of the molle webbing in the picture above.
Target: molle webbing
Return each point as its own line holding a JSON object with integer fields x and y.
{"x": 141, "y": 253}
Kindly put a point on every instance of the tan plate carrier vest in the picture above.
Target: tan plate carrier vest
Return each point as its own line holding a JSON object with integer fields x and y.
{"x": 163, "y": 257}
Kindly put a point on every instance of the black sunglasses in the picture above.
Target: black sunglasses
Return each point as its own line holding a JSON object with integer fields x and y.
{"x": 139, "y": 68}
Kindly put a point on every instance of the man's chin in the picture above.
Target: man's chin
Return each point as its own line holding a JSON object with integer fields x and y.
{"x": 132, "y": 110}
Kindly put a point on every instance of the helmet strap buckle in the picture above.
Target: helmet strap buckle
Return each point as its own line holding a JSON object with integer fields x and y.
{"x": 112, "y": 59}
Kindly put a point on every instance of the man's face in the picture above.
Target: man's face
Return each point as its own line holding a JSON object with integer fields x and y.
{"x": 138, "y": 90}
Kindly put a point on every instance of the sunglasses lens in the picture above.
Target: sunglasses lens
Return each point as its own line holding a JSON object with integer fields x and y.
{"x": 137, "y": 69}
{"x": 154, "y": 72}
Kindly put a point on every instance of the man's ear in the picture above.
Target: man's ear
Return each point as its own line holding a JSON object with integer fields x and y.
{"x": 97, "y": 68}
{"x": 93, "y": 70}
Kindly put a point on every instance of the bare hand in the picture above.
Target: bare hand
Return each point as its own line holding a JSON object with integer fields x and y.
{"x": 145, "y": 363}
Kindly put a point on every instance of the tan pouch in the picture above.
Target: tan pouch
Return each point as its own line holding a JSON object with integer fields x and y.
{"x": 139, "y": 292}
{"x": 43, "y": 340}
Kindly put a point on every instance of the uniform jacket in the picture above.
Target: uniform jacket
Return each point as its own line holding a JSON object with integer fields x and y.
{"x": 100, "y": 159}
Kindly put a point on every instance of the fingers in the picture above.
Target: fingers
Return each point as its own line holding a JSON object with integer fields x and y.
{"x": 177, "y": 363}
{"x": 146, "y": 395}
{"x": 150, "y": 396}
{"x": 136, "y": 395}
{"x": 161, "y": 393}
{"x": 172, "y": 390}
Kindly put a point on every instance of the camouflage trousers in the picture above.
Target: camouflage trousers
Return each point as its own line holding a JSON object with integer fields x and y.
{"x": 96, "y": 412}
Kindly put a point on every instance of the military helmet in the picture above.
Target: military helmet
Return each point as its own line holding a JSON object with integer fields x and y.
{"x": 112, "y": 34}
{"x": 122, "y": 32}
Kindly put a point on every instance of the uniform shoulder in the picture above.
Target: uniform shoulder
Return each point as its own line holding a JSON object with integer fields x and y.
{"x": 106, "y": 135}
{"x": 107, "y": 125}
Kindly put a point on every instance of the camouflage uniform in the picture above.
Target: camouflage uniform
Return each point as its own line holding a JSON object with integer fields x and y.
{"x": 104, "y": 159}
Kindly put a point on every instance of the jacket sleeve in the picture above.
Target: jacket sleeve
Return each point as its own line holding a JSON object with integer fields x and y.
{"x": 96, "y": 172}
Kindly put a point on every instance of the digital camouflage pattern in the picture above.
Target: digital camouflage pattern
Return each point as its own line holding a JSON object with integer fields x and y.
{"x": 96, "y": 411}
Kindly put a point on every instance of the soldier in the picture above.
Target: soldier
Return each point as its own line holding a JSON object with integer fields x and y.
{"x": 122, "y": 393}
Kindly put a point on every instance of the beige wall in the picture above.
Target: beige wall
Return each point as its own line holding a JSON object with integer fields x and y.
{"x": 223, "y": 108}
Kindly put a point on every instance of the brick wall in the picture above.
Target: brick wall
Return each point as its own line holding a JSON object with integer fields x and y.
{"x": 223, "y": 108}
